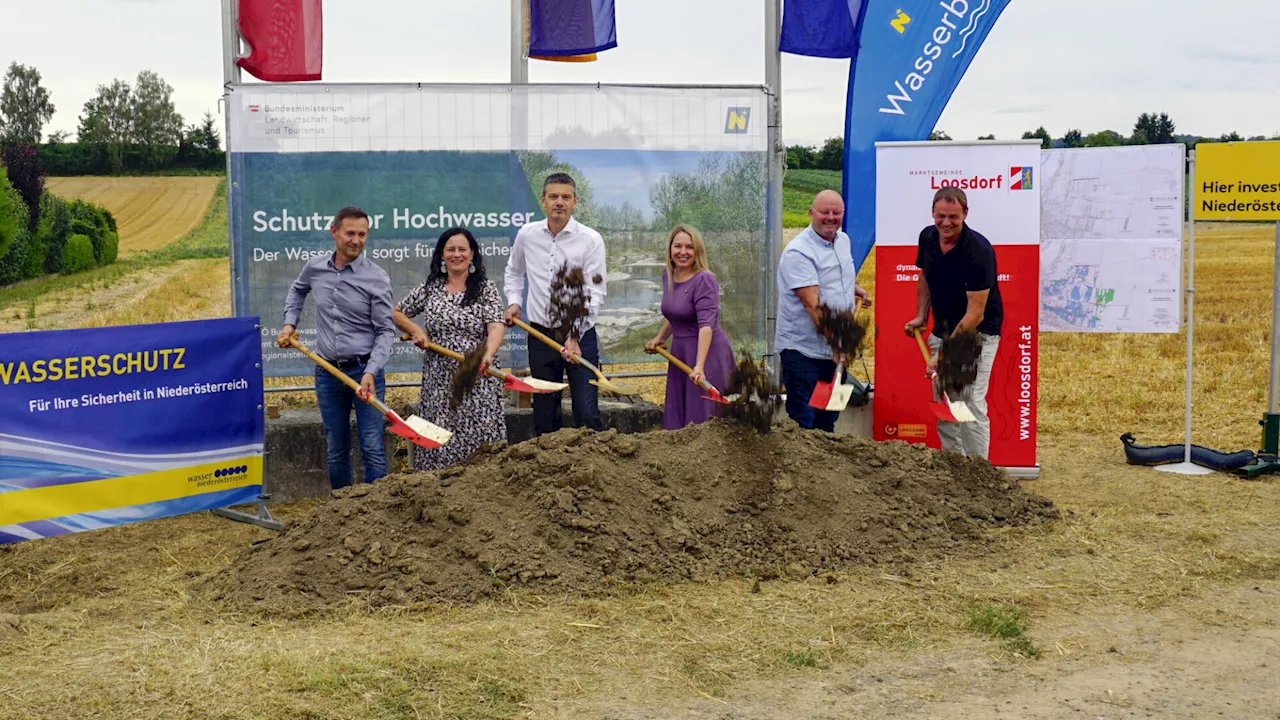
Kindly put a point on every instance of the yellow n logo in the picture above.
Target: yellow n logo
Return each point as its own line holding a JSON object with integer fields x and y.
{"x": 737, "y": 120}
{"x": 901, "y": 22}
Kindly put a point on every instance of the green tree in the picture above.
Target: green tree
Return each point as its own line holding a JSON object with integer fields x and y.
{"x": 157, "y": 126}
{"x": 940, "y": 135}
{"x": 107, "y": 122}
{"x": 13, "y": 213}
{"x": 626, "y": 217}
{"x": 802, "y": 157}
{"x": 1153, "y": 129}
{"x": 24, "y": 106}
{"x": 1073, "y": 139}
{"x": 831, "y": 157}
{"x": 78, "y": 256}
{"x": 1104, "y": 138}
{"x": 719, "y": 195}
{"x": 1040, "y": 133}
{"x": 1232, "y": 136}
{"x": 992, "y": 136}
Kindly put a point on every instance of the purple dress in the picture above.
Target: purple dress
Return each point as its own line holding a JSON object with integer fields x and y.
{"x": 688, "y": 306}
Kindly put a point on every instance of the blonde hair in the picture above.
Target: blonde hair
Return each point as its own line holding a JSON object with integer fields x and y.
{"x": 699, "y": 250}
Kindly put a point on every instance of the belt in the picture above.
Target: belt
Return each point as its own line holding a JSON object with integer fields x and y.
{"x": 349, "y": 363}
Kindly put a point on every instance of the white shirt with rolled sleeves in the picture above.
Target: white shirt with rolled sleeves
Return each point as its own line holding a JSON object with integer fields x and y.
{"x": 538, "y": 254}
{"x": 809, "y": 260}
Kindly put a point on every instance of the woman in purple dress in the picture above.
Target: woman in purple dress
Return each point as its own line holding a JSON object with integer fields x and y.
{"x": 691, "y": 312}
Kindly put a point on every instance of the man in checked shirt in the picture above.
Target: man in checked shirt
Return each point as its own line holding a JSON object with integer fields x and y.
{"x": 354, "y": 332}
{"x": 539, "y": 250}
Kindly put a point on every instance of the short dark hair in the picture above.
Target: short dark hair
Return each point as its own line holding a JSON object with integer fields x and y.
{"x": 559, "y": 179}
{"x": 951, "y": 194}
{"x": 349, "y": 212}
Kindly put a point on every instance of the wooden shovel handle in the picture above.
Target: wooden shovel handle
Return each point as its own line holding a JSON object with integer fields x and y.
{"x": 924, "y": 349}
{"x": 703, "y": 383}
{"x": 491, "y": 372}
{"x": 662, "y": 350}
{"x": 345, "y": 378}
{"x": 535, "y": 334}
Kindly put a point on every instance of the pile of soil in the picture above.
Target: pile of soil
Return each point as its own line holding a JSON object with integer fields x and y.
{"x": 583, "y": 512}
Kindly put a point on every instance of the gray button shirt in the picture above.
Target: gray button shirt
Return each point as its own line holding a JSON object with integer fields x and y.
{"x": 353, "y": 309}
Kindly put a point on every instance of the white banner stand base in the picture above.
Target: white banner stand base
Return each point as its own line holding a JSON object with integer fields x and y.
{"x": 1185, "y": 468}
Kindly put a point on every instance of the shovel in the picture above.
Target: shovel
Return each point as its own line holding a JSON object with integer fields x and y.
{"x": 949, "y": 411}
{"x": 414, "y": 429}
{"x": 509, "y": 381}
{"x": 832, "y": 396}
{"x": 601, "y": 381}
{"x": 712, "y": 393}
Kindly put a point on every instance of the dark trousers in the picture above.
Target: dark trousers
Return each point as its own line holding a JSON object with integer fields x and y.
{"x": 800, "y": 374}
{"x": 546, "y": 364}
{"x": 336, "y": 401}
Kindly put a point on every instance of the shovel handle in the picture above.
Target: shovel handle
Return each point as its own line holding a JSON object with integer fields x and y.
{"x": 535, "y": 334}
{"x": 924, "y": 349}
{"x": 491, "y": 372}
{"x": 662, "y": 350}
{"x": 345, "y": 378}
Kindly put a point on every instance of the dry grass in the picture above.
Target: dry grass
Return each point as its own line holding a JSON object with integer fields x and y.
{"x": 150, "y": 212}
{"x": 114, "y": 626}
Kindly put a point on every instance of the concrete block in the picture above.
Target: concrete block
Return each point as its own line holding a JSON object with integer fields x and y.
{"x": 295, "y": 466}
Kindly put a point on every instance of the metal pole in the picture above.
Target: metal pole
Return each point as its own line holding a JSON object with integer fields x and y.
{"x": 1186, "y": 467}
{"x": 230, "y": 76}
{"x": 519, "y": 51}
{"x": 1273, "y": 401}
{"x": 777, "y": 153}
{"x": 1191, "y": 325}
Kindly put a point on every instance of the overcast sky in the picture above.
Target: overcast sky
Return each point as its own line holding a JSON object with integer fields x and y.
{"x": 1088, "y": 64}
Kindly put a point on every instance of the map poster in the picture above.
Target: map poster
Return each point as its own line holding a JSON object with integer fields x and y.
{"x": 1111, "y": 239}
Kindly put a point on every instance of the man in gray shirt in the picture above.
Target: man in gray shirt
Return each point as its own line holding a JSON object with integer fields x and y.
{"x": 354, "y": 331}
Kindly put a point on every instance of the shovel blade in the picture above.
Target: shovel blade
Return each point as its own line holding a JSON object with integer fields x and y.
{"x": 532, "y": 385}
{"x": 419, "y": 432}
{"x": 956, "y": 412}
{"x": 830, "y": 396}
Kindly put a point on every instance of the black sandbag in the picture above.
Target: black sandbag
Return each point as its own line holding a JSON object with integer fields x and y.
{"x": 1149, "y": 455}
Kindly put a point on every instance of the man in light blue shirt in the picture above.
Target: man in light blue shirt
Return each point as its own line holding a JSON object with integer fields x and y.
{"x": 816, "y": 268}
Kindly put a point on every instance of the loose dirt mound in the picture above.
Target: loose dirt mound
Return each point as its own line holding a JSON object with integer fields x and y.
{"x": 580, "y": 512}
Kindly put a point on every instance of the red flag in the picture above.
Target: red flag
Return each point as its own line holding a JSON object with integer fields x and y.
{"x": 285, "y": 37}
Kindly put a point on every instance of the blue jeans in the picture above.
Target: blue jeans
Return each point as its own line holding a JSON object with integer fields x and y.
{"x": 546, "y": 364}
{"x": 335, "y": 400}
{"x": 800, "y": 373}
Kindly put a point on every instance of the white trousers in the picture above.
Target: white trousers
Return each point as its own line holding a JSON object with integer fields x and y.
{"x": 971, "y": 438}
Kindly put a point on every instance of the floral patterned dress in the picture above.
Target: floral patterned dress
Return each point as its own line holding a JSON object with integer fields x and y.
{"x": 480, "y": 418}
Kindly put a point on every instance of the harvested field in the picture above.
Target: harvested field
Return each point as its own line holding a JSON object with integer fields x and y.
{"x": 150, "y": 212}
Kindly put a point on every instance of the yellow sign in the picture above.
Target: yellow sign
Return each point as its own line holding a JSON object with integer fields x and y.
{"x": 1237, "y": 181}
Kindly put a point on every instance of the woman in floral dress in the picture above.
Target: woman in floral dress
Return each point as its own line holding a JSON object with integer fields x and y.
{"x": 461, "y": 309}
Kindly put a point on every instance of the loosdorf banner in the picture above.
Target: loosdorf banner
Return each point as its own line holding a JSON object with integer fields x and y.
{"x": 1001, "y": 183}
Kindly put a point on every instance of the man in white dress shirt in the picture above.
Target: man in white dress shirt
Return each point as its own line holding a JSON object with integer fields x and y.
{"x": 539, "y": 251}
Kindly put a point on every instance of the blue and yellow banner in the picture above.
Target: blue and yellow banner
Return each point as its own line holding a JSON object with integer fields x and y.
{"x": 911, "y": 56}
{"x": 107, "y": 426}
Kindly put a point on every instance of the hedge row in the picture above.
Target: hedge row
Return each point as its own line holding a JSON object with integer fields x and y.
{"x": 67, "y": 229}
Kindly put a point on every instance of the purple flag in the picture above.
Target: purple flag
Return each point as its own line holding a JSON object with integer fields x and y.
{"x": 571, "y": 27}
